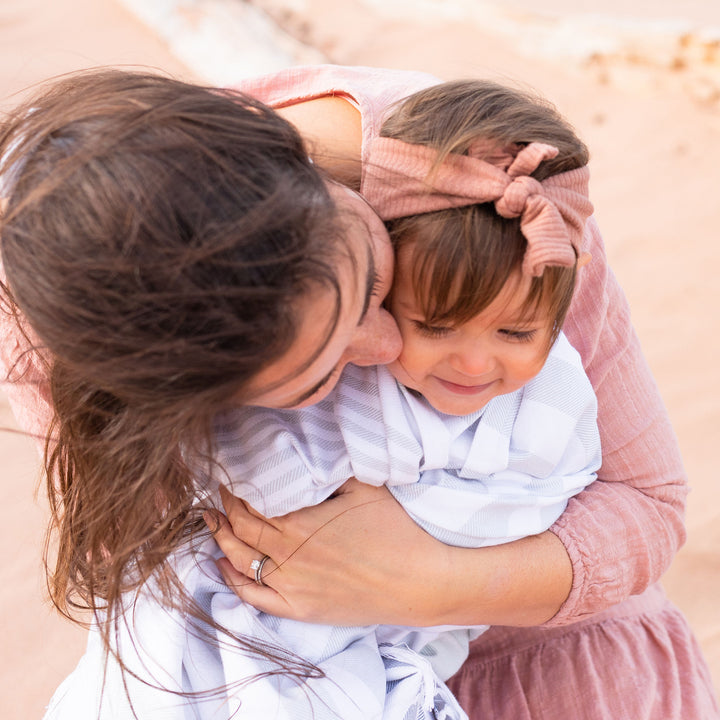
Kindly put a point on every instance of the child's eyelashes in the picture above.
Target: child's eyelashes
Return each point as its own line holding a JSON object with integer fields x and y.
{"x": 519, "y": 335}
{"x": 440, "y": 331}
{"x": 431, "y": 330}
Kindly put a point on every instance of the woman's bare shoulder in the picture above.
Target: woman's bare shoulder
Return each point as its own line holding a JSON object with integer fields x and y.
{"x": 332, "y": 128}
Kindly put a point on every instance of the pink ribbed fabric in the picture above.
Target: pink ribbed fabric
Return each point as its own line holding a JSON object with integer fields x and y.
{"x": 403, "y": 179}
{"x": 636, "y": 661}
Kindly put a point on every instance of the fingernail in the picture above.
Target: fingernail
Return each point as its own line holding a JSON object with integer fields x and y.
{"x": 211, "y": 520}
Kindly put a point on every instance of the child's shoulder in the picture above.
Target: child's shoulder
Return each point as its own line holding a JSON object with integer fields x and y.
{"x": 563, "y": 376}
{"x": 564, "y": 352}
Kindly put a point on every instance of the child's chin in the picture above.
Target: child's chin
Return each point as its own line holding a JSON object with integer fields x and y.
{"x": 452, "y": 405}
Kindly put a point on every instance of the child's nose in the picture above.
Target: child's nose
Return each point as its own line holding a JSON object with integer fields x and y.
{"x": 473, "y": 361}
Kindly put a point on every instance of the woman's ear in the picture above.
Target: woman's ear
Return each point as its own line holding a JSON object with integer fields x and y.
{"x": 583, "y": 259}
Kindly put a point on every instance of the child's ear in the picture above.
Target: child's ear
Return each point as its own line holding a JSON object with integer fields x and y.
{"x": 583, "y": 259}
{"x": 3, "y": 204}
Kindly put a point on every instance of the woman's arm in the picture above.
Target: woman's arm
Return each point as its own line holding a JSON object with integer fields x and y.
{"x": 358, "y": 558}
{"x": 622, "y": 532}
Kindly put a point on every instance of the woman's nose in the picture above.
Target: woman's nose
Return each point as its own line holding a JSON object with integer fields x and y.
{"x": 377, "y": 341}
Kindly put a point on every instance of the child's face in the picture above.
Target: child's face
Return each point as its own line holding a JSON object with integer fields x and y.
{"x": 459, "y": 369}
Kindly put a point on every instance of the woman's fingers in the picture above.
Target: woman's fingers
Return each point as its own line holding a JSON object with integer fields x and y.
{"x": 240, "y": 555}
{"x": 239, "y": 571}
{"x": 247, "y": 524}
{"x": 242, "y": 568}
{"x": 249, "y": 563}
{"x": 264, "y": 598}
{"x": 234, "y": 579}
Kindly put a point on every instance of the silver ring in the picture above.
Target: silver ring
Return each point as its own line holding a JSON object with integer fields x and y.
{"x": 257, "y": 566}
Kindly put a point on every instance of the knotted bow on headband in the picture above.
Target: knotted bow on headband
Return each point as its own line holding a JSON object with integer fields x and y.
{"x": 398, "y": 182}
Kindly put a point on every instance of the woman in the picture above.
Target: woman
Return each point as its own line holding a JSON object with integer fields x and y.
{"x": 218, "y": 247}
{"x": 149, "y": 389}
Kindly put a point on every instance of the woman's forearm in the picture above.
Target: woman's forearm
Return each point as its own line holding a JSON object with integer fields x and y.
{"x": 358, "y": 558}
{"x": 524, "y": 582}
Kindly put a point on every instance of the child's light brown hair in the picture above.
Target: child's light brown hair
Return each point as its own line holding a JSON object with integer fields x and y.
{"x": 463, "y": 256}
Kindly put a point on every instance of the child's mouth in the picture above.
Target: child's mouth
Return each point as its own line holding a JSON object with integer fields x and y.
{"x": 463, "y": 389}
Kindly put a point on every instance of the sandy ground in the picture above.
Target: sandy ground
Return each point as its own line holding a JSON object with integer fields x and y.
{"x": 645, "y": 95}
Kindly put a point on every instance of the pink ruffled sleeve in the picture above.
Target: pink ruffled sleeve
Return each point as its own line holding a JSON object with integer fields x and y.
{"x": 623, "y": 531}
{"x": 373, "y": 91}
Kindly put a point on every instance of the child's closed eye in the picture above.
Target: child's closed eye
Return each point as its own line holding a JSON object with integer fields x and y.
{"x": 433, "y": 331}
{"x": 519, "y": 335}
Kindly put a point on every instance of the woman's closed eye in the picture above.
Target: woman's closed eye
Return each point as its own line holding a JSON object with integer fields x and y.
{"x": 374, "y": 290}
{"x": 377, "y": 283}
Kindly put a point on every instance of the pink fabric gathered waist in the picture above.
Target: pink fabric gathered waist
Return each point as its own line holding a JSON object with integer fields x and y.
{"x": 636, "y": 661}
{"x": 500, "y": 640}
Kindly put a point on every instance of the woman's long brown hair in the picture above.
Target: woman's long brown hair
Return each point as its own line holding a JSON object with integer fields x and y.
{"x": 156, "y": 238}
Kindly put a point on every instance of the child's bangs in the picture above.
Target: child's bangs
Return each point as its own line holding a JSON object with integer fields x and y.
{"x": 462, "y": 259}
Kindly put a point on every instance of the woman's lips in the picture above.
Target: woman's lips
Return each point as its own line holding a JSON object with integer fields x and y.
{"x": 463, "y": 389}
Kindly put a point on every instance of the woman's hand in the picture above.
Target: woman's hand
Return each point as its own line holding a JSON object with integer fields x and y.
{"x": 352, "y": 559}
{"x": 358, "y": 558}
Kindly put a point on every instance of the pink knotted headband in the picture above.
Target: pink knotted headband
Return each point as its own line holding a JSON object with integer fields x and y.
{"x": 400, "y": 180}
